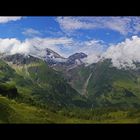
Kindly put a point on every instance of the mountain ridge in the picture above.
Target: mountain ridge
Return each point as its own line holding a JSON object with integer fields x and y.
{"x": 94, "y": 82}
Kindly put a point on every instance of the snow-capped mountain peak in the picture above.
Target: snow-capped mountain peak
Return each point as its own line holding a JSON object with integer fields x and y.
{"x": 50, "y": 56}
{"x": 53, "y": 57}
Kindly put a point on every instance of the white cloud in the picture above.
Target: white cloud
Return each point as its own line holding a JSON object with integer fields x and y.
{"x": 94, "y": 49}
{"x": 5, "y": 19}
{"x": 123, "y": 25}
{"x": 125, "y": 53}
{"x": 70, "y": 23}
{"x": 122, "y": 55}
{"x": 52, "y": 43}
{"x": 12, "y": 46}
{"x": 31, "y": 32}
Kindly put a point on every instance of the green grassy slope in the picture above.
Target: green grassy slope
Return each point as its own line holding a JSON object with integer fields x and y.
{"x": 13, "y": 112}
{"x": 107, "y": 85}
{"x": 110, "y": 86}
{"x": 36, "y": 82}
{"x": 35, "y": 93}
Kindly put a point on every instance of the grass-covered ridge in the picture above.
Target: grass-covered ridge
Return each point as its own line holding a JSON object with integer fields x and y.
{"x": 37, "y": 83}
{"x": 32, "y": 92}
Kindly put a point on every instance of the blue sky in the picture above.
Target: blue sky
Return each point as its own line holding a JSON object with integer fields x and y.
{"x": 112, "y": 37}
{"x": 15, "y": 29}
{"x": 51, "y": 27}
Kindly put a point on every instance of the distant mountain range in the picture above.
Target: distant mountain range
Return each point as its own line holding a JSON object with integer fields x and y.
{"x": 52, "y": 58}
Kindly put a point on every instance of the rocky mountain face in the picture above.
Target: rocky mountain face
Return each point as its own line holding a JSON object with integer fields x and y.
{"x": 55, "y": 60}
{"x": 52, "y": 58}
{"x": 19, "y": 59}
{"x": 76, "y": 59}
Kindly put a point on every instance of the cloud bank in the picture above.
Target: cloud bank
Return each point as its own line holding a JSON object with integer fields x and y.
{"x": 32, "y": 46}
{"x": 64, "y": 46}
{"x": 123, "y": 54}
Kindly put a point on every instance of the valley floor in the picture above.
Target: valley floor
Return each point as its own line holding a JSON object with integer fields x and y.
{"x": 13, "y": 112}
